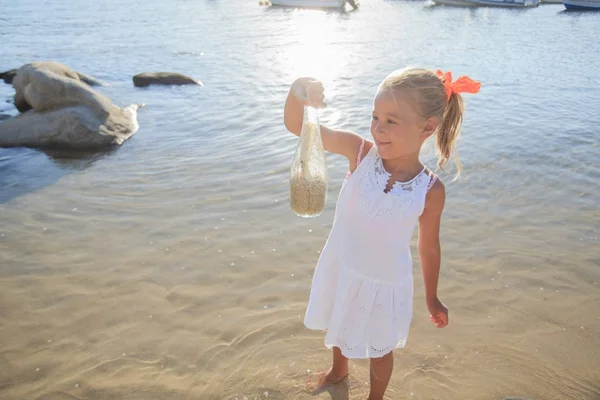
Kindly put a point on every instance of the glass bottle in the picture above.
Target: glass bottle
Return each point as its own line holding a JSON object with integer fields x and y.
{"x": 308, "y": 173}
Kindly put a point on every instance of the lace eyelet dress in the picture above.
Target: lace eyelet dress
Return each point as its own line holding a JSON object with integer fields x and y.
{"x": 362, "y": 288}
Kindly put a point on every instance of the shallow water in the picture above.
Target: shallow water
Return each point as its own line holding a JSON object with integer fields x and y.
{"x": 173, "y": 267}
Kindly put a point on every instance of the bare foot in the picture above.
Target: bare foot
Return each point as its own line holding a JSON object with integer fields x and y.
{"x": 322, "y": 380}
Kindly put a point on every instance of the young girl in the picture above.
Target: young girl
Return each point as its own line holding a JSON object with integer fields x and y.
{"x": 362, "y": 286}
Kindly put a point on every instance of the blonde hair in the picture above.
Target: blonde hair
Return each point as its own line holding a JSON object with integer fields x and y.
{"x": 432, "y": 101}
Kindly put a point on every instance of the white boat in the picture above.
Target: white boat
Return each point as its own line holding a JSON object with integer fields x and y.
{"x": 312, "y": 3}
{"x": 582, "y": 5}
{"x": 489, "y": 3}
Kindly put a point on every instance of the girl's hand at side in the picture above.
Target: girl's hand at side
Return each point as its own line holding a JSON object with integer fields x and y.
{"x": 438, "y": 312}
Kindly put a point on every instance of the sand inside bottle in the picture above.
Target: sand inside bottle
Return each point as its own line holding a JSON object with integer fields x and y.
{"x": 307, "y": 189}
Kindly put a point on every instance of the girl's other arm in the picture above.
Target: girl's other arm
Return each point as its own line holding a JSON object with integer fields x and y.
{"x": 430, "y": 251}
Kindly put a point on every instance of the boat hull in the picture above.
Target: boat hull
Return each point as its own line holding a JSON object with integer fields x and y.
{"x": 582, "y": 5}
{"x": 309, "y": 3}
{"x": 488, "y": 3}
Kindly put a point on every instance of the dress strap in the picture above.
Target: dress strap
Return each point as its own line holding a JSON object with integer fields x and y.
{"x": 359, "y": 158}
{"x": 432, "y": 179}
{"x": 360, "y": 151}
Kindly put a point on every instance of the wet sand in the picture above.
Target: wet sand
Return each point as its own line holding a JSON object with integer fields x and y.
{"x": 96, "y": 305}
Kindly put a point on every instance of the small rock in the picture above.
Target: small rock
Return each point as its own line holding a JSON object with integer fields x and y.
{"x": 8, "y": 76}
{"x": 163, "y": 78}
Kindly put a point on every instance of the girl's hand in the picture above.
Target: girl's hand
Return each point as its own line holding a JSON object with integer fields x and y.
{"x": 438, "y": 312}
{"x": 309, "y": 92}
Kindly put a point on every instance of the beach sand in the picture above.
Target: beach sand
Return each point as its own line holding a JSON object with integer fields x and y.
{"x": 96, "y": 305}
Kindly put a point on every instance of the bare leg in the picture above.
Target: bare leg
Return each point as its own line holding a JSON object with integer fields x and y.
{"x": 381, "y": 372}
{"x": 336, "y": 373}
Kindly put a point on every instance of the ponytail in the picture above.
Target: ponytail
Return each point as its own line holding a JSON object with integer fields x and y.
{"x": 449, "y": 131}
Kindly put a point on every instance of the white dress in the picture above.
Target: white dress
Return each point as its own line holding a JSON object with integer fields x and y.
{"x": 362, "y": 288}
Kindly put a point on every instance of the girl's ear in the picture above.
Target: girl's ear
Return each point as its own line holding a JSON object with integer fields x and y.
{"x": 431, "y": 124}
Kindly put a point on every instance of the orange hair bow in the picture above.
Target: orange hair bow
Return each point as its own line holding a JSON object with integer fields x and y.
{"x": 464, "y": 84}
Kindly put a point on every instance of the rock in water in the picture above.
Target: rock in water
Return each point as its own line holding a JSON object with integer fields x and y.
{"x": 63, "y": 112}
{"x": 57, "y": 68}
{"x": 163, "y": 78}
{"x": 90, "y": 80}
{"x": 8, "y": 76}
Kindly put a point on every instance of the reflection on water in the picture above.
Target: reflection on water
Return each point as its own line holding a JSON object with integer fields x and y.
{"x": 22, "y": 170}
